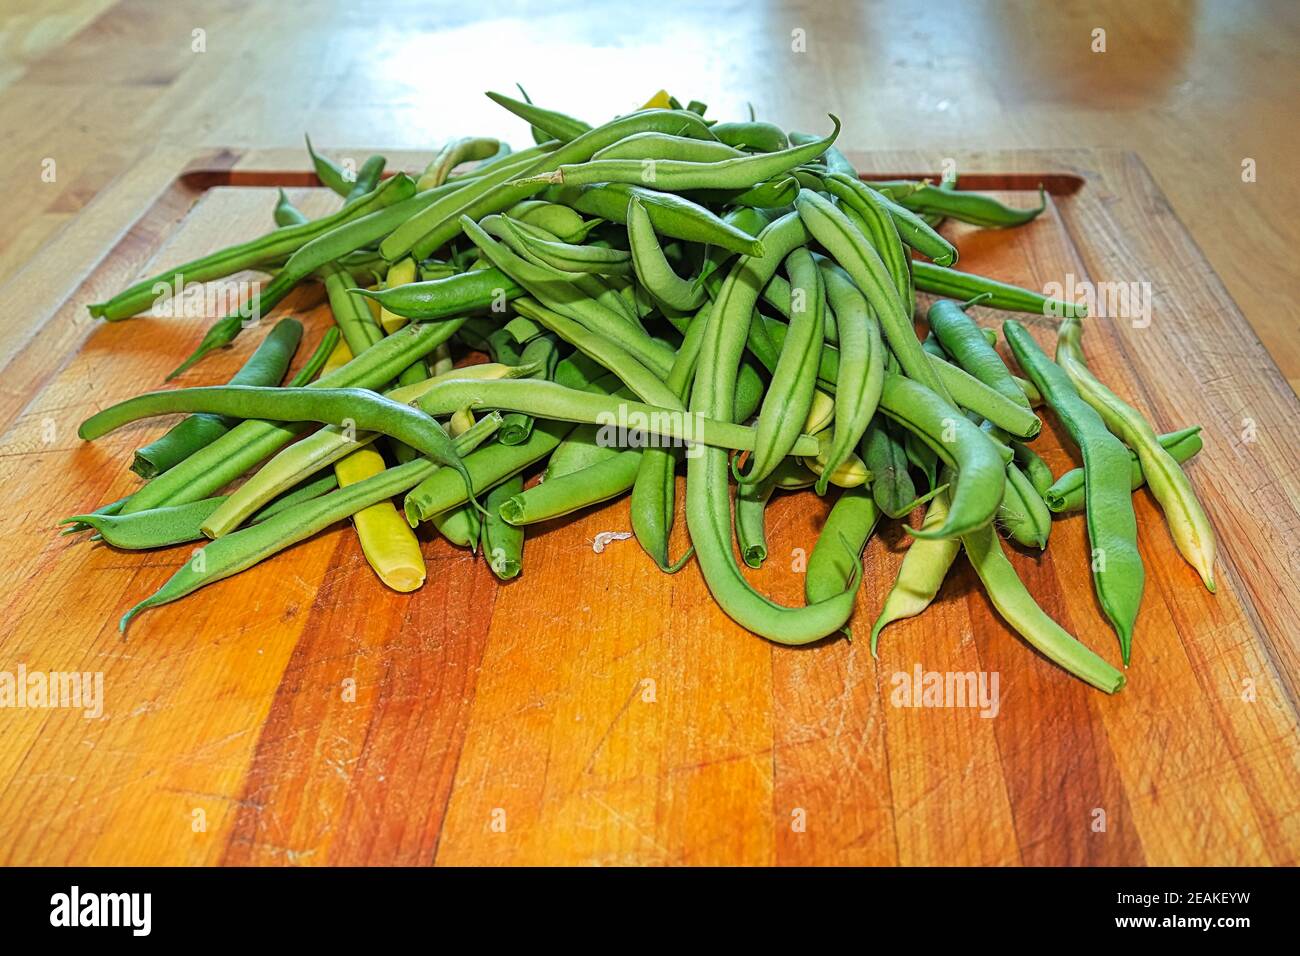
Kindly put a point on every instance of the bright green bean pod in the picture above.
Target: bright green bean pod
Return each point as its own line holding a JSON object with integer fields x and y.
{"x": 563, "y": 495}
{"x": 1118, "y": 575}
{"x": 344, "y": 407}
{"x": 540, "y": 353}
{"x": 568, "y": 257}
{"x": 833, "y": 562}
{"x": 652, "y": 267}
{"x": 558, "y": 126}
{"x": 789, "y": 397}
{"x": 351, "y": 313}
{"x": 321, "y": 250}
{"x": 708, "y": 506}
{"x": 980, "y": 475}
{"x": 964, "y": 341}
{"x": 244, "y": 548}
{"x": 560, "y": 299}
{"x": 461, "y": 526}
{"x": 1008, "y": 594}
{"x": 452, "y": 154}
{"x": 266, "y": 366}
{"x": 503, "y": 543}
{"x": 246, "y": 255}
{"x": 974, "y": 208}
{"x": 654, "y": 145}
{"x": 867, "y": 210}
{"x": 1189, "y": 526}
{"x": 1066, "y": 493}
{"x": 751, "y": 527}
{"x": 674, "y": 175}
{"x": 854, "y": 253}
{"x": 251, "y": 441}
{"x": 550, "y": 400}
{"x": 672, "y": 215}
{"x": 503, "y": 195}
{"x": 938, "y": 280}
{"x": 1035, "y": 469}
{"x": 861, "y": 371}
{"x": 472, "y": 291}
{"x": 1023, "y": 513}
{"x": 331, "y": 175}
{"x": 754, "y": 135}
{"x": 561, "y": 221}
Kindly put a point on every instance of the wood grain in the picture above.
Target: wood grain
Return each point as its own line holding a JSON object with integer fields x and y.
{"x": 101, "y": 86}
{"x": 596, "y": 711}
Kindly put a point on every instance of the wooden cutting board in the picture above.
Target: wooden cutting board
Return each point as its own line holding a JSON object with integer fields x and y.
{"x": 594, "y": 710}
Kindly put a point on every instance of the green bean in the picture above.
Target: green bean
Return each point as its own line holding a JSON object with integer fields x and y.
{"x": 351, "y": 313}
{"x": 503, "y": 544}
{"x": 324, "y": 447}
{"x": 551, "y": 400}
{"x": 1066, "y": 493}
{"x": 286, "y": 213}
{"x": 789, "y": 397}
{"x": 540, "y": 353}
{"x": 832, "y": 159}
{"x": 244, "y": 548}
{"x": 775, "y": 192}
{"x": 1007, "y": 593}
{"x": 854, "y": 253}
{"x": 344, "y": 407}
{"x": 865, "y": 208}
{"x": 974, "y": 208}
{"x": 920, "y": 235}
{"x": 457, "y": 151}
{"x": 924, "y": 567}
{"x": 460, "y": 526}
{"x": 404, "y": 238}
{"x": 577, "y": 451}
{"x": 309, "y": 258}
{"x": 675, "y": 175}
{"x": 653, "y": 145}
{"x": 568, "y": 257}
{"x": 275, "y": 244}
{"x": 1188, "y": 524}
{"x": 1023, "y": 513}
{"x": 962, "y": 339}
{"x": 331, "y": 175}
{"x": 249, "y": 442}
{"x": 672, "y": 215}
{"x": 938, "y": 280}
{"x": 861, "y": 372}
{"x": 557, "y": 297}
{"x": 762, "y": 137}
{"x": 551, "y": 124}
{"x": 367, "y": 178}
{"x": 708, "y": 507}
{"x": 751, "y": 532}
{"x": 177, "y": 524}
{"x": 560, "y": 221}
{"x": 499, "y": 195}
{"x": 565, "y": 494}
{"x": 652, "y": 268}
{"x": 833, "y": 562}
{"x": 891, "y": 486}
{"x": 609, "y": 351}
{"x": 266, "y": 366}
{"x": 980, "y": 474}
{"x": 1118, "y": 575}
{"x": 969, "y": 392}
{"x": 1035, "y": 469}
{"x": 471, "y": 291}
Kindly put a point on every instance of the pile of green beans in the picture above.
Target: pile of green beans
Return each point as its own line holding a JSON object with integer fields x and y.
{"x": 657, "y": 291}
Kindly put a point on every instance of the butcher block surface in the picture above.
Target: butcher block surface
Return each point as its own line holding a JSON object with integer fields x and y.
{"x": 594, "y": 710}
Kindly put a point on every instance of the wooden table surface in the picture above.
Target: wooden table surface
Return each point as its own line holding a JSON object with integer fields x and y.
{"x": 594, "y": 712}
{"x": 1196, "y": 88}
